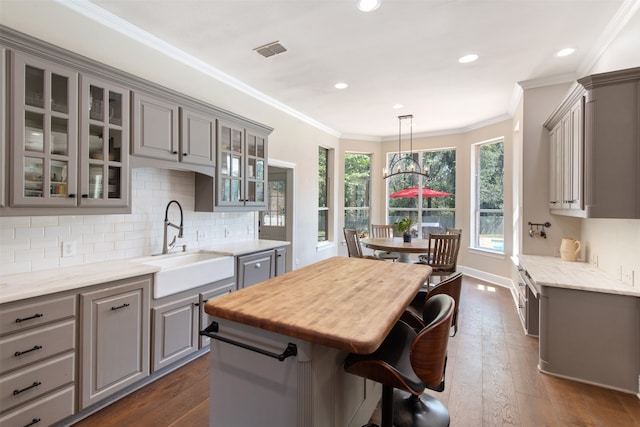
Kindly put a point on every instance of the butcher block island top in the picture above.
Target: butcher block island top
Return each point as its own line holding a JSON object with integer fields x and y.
{"x": 349, "y": 304}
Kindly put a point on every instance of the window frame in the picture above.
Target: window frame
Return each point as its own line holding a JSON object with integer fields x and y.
{"x": 476, "y": 203}
{"x": 326, "y": 208}
{"x": 366, "y": 209}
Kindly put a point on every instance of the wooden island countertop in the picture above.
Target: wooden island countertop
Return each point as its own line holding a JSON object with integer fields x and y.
{"x": 349, "y": 304}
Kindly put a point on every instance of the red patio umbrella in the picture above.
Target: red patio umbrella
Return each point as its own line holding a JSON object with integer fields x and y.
{"x": 412, "y": 193}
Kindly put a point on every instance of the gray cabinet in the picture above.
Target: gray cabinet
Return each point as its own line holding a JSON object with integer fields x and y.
{"x": 37, "y": 360}
{"x": 197, "y": 137}
{"x": 175, "y": 331}
{"x": 594, "y": 141}
{"x": 281, "y": 261}
{"x": 206, "y": 295}
{"x": 3, "y": 124}
{"x": 255, "y": 268}
{"x": 114, "y": 338}
{"x": 241, "y": 171}
{"x": 155, "y": 127}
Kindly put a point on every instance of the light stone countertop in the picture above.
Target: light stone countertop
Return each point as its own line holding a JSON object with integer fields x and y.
{"x": 554, "y": 272}
{"x": 21, "y": 286}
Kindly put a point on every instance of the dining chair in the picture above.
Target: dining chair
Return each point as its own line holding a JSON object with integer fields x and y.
{"x": 442, "y": 254}
{"x": 353, "y": 244}
{"x": 384, "y": 232}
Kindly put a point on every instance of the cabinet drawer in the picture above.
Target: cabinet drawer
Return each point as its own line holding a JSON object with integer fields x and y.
{"x": 30, "y": 383}
{"x": 17, "y": 317}
{"x": 21, "y": 349}
{"x": 42, "y": 412}
{"x": 255, "y": 268}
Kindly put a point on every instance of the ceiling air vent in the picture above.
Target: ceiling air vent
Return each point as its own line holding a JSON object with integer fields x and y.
{"x": 270, "y": 49}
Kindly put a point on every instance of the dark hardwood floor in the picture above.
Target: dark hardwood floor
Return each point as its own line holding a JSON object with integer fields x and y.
{"x": 491, "y": 380}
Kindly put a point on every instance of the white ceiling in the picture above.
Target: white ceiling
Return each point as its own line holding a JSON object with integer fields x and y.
{"x": 404, "y": 52}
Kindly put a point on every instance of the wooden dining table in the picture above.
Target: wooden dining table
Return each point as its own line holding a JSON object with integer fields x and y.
{"x": 398, "y": 245}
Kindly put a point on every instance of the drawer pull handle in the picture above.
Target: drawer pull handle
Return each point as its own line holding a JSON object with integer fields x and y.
{"x": 257, "y": 265}
{"x": 35, "y": 384}
{"x": 20, "y": 353}
{"x": 33, "y": 421}
{"x": 35, "y": 316}
{"x": 119, "y": 307}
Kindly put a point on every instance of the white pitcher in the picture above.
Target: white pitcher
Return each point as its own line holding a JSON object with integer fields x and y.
{"x": 569, "y": 249}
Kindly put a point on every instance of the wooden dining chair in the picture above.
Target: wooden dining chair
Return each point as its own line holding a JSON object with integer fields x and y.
{"x": 354, "y": 247}
{"x": 384, "y": 232}
{"x": 442, "y": 255}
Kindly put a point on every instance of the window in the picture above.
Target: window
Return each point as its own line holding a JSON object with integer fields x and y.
{"x": 488, "y": 204}
{"x": 274, "y": 216}
{"x": 432, "y": 200}
{"x": 323, "y": 194}
{"x": 357, "y": 187}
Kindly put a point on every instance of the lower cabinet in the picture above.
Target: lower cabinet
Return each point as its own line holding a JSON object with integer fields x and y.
{"x": 114, "y": 338}
{"x": 260, "y": 266}
{"x": 175, "y": 331}
{"x": 37, "y": 361}
{"x": 178, "y": 319}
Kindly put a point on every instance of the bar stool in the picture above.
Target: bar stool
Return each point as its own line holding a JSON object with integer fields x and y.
{"x": 413, "y": 313}
{"x": 411, "y": 361}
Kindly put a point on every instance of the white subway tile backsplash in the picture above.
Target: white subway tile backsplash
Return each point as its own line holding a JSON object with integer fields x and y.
{"x": 36, "y": 241}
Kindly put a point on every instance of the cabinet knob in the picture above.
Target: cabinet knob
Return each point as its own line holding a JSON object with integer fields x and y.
{"x": 85, "y": 196}
{"x": 184, "y": 154}
{"x": 174, "y": 152}
{"x": 257, "y": 265}
{"x": 72, "y": 196}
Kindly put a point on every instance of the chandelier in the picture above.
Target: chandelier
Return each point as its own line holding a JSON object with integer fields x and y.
{"x": 405, "y": 163}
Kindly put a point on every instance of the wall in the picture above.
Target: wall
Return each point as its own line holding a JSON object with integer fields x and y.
{"x": 34, "y": 243}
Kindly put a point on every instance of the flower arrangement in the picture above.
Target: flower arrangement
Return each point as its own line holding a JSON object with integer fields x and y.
{"x": 404, "y": 226}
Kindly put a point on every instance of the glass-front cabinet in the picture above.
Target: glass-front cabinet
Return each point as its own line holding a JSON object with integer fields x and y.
{"x": 45, "y": 133}
{"x": 230, "y": 165}
{"x": 241, "y": 167}
{"x": 256, "y": 155}
{"x": 51, "y": 166}
{"x": 104, "y": 143}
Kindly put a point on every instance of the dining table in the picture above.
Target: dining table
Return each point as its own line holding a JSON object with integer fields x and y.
{"x": 398, "y": 245}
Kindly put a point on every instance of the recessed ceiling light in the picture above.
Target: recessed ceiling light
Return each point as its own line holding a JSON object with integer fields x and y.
{"x": 397, "y": 106}
{"x": 468, "y": 58}
{"x": 341, "y": 85}
{"x": 368, "y": 5}
{"x": 565, "y": 52}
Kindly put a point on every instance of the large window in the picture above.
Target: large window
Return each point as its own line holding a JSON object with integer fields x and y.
{"x": 488, "y": 203}
{"x": 323, "y": 194}
{"x": 357, "y": 187}
{"x": 430, "y": 202}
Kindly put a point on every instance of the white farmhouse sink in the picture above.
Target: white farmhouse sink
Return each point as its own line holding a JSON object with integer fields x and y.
{"x": 183, "y": 271}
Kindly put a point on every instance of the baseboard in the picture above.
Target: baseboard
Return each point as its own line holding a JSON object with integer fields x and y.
{"x": 487, "y": 277}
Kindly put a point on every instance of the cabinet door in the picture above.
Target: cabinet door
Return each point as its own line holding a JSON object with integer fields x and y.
{"x": 281, "y": 261}
{"x": 255, "y": 268}
{"x": 104, "y": 143}
{"x": 256, "y": 169}
{"x": 175, "y": 331}
{"x": 197, "y": 138}
{"x": 3, "y": 124}
{"x": 555, "y": 168}
{"x": 230, "y": 165}
{"x": 115, "y": 339}
{"x": 576, "y": 161}
{"x": 155, "y": 127}
{"x": 205, "y": 319}
{"x": 45, "y": 133}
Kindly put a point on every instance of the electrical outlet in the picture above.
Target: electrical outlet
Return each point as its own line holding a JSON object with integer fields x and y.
{"x": 626, "y": 275}
{"x": 202, "y": 235}
{"x": 593, "y": 260}
{"x": 69, "y": 248}
{"x": 226, "y": 231}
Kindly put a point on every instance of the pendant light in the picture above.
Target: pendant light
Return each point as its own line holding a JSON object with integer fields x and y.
{"x": 411, "y": 165}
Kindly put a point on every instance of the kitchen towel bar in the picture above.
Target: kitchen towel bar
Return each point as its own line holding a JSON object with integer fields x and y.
{"x": 291, "y": 349}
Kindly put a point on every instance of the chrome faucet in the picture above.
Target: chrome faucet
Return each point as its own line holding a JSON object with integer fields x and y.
{"x": 166, "y": 248}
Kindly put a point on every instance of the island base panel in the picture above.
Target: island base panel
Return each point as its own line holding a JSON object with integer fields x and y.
{"x": 310, "y": 389}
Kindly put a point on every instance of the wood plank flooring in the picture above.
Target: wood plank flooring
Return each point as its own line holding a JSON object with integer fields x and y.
{"x": 491, "y": 380}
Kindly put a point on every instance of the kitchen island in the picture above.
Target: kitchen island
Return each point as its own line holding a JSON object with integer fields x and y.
{"x": 308, "y": 320}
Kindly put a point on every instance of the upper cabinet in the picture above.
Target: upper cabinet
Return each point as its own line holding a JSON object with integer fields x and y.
{"x": 45, "y": 133}
{"x": 595, "y": 148}
{"x": 241, "y": 172}
{"x": 165, "y": 130}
